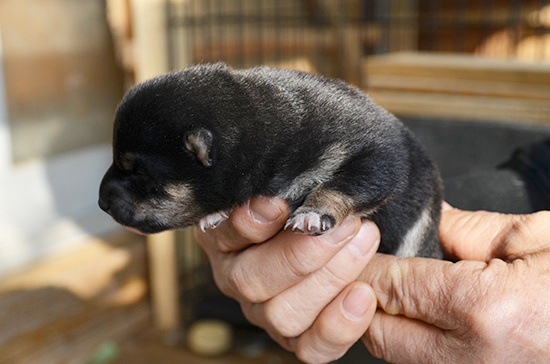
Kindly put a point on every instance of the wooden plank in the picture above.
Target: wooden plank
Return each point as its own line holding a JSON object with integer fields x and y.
{"x": 148, "y": 348}
{"x": 74, "y": 339}
{"x": 463, "y": 107}
{"x": 460, "y": 86}
{"x": 59, "y": 310}
{"x": 452, "y": 66}
{"x": 521, "y": 90}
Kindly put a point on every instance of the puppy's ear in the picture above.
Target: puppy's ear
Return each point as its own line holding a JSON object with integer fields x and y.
{"x": 199, "y": 141}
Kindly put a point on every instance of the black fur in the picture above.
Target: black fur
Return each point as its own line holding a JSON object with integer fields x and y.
{"x": 261, "y": 129}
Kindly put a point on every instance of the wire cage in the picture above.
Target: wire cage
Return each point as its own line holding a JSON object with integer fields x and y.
{"x": 333, "y": 37}
{"x": 336, "y": 38}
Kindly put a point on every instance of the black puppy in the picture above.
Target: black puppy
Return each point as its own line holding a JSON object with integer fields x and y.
{"x": 191, "y": 145}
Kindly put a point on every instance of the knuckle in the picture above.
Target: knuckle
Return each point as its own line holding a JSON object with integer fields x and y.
{"x": 280, "y": 320}
{"x": 335, "y": 334}
{"x": 374, "y": 338}
{"x": 338, "y": 277}
{"x": 316, "y": 354}
{"x": 300, "y": 263}
{"x": 407, "y": 281}
{"x": 244, "y": 287}
{"x": 305, "y": 354}
{"x": 223, "y": 285}
{"x": 241, "y": 227}
{"x": 328, "y": 342}
{"x": 249, "y": 313}
{"x": 491, "y": 308}
{"x": 479, "y": 321}
{"x": 395, "y": 299}
{"x": 223, "y": 244}
{"x": 375, "y": 343}
{"x": 490, "y": 317}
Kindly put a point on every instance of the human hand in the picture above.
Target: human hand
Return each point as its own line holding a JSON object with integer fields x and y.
{"x": 493, "y": 306}
{"x": 302, "y": 290}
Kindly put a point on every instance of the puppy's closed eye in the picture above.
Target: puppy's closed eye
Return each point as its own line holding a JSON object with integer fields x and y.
{"x": 127, "y": 162}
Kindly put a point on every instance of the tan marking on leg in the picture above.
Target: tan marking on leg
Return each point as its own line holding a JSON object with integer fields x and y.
{"x": 329, "y": 202}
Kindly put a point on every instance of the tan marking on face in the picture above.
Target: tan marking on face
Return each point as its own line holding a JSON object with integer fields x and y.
{"x": 127, "y": 161}
{"x": 179, "y": 192}
{"x": 179, "y": 209}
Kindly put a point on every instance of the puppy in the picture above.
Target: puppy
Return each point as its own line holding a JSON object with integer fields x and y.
{"x": 191, "y": 145}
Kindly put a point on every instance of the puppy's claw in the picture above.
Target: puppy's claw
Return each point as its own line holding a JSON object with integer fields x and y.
{"x": 213, "y": 220}
{"x": 287, "y": 225}
{"x": 310, "y": 223}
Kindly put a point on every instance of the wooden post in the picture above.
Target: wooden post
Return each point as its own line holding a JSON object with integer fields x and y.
{"x": 150, "y": 44}
{"x": 150, "y": 38}
{"x": 163, "y": 277}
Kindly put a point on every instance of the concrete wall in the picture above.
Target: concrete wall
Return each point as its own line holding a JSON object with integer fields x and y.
{"x": 62, "y": 81}
{"x": 59, "y": 86}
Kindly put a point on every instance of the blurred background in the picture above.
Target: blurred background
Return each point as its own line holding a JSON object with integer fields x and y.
{"x": 470, "y": 78}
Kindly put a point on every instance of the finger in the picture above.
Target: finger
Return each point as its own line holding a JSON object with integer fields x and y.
{"x": 485, "y": 235}
{"x": 397, "y": 339}
{"x": 254, "y": 222}
{"x": 338, "y": 327}
{"x": 422, "y": 289}
{"x": 264, "y": 270}
{"x": 260, "y": 219}
{"x": 294, "y": 310}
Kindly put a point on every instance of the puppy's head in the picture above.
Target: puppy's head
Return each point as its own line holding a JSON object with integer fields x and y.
{"x": 162, "y": 150}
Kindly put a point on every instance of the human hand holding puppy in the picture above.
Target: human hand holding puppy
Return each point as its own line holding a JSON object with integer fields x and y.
{"x": 301, "y": 289}
{"x": 492, "y": 307}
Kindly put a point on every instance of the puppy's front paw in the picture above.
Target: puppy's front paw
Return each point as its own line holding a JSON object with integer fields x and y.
{"x": 213, "y": 220}
{"x": 310, "y": 223}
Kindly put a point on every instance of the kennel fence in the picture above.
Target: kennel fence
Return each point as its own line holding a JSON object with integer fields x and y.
{"x": 333, "y": 37}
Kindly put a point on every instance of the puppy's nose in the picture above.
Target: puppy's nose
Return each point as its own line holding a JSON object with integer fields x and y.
{"x": 104, "y": 205}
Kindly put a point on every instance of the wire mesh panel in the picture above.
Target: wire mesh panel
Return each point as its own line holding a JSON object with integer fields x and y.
{"x": 328, "y": 37}
{"x": 332, "y": 37}
{"x": 491, "y": 28}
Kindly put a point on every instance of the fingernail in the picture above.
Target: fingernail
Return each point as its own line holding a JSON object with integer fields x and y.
{"x": 357, "y": 302}
{"x": 341, "y": 233}
{"x": 365, "y": 239}
{"x": 263, "y": 210}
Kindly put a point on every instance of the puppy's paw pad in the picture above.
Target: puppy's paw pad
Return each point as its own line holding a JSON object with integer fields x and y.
{"x": 310, "y": 223}
{"x": 213, "y": 220}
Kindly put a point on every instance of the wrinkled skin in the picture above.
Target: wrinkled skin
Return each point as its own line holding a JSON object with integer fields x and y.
{"x": 316, "y": 296}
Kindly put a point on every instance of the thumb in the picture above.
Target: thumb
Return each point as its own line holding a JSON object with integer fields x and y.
{"x": 482, "y": 235}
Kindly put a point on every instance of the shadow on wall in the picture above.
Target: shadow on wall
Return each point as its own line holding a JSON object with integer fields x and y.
{"x": 62, "y": 88}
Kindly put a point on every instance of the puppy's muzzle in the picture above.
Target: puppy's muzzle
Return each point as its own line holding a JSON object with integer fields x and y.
{"x": 114, "y": 199}
{"x": 104, "y": 205}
